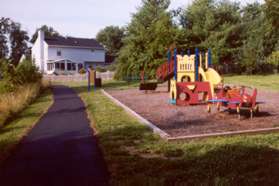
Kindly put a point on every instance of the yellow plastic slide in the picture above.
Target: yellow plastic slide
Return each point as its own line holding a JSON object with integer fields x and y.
{"x": 213, "y": 77}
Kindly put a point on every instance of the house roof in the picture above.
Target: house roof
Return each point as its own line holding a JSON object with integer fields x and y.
{"x": 73, "y": 42}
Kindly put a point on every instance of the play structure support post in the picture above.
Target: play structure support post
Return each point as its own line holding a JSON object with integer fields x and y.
{"x": 169, "y": 62}
{"x": 175, "y": 64}
{"x": 197, "y": 64}
{"x": 182, "y": 53}
{"x": 188, "y": 52}
{"x": 209, "y": 58}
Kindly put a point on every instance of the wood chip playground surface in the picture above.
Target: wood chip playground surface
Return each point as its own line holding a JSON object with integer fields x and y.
{"x": 186, "y": 121}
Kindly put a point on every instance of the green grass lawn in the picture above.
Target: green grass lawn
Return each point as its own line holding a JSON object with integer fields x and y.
{"x": 135, "y": 156}
{"x": 268, "y": 82}
{"x": 13, "y": 132}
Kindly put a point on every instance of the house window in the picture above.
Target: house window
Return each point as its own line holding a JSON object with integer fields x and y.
{"x": 73, "y": 66}
{"x": 50, "y": 66}
{"x": 69, "y": 66}
{"x": 59, "y": 52}
{"x": 62, "y": 66}
{"x": 57, "y": 66}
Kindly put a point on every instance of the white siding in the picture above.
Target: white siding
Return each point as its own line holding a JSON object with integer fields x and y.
{"x": 39, "y": 52}
{"x": 36, "y": 54}
{"x": 77, "y": 55}
{"x": 45, "y": 56}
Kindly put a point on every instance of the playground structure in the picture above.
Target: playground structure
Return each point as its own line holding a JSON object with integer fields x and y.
{"x": 193, "y": 81}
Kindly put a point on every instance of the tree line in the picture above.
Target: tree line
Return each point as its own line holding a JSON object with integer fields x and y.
{"x": 12, "y": 35}
{"x": 14, "y": 41}
{"x": 243, "y": 39}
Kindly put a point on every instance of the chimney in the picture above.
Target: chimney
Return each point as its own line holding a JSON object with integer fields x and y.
{"x": 41, "y": 38}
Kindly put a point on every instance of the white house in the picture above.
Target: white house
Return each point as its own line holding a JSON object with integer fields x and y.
{"x": 66, "y": 54}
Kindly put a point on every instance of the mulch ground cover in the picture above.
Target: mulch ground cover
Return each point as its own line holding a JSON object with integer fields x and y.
{"x": 193, "y": 120}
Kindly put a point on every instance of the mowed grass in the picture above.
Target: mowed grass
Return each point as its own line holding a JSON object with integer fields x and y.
{"x": 135, "y": 156}
{"x": 120, "y": 85}
{"x": 268, "y": 82}
{"x": 12, "y": 132}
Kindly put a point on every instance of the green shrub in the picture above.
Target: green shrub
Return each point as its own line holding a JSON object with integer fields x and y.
{"x": 273, "y": 59}
{"x": 24, "y": 73}
{"x": 82, "y": 71}
{"x": 111, "y": 67}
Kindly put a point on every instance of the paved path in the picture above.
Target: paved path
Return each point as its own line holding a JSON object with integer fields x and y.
{"x": 60, "y": 150}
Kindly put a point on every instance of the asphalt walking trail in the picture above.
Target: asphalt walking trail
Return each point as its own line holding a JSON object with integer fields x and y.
{"x": 60, "y": 150}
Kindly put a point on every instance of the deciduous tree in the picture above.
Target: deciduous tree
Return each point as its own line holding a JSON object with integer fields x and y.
{"x": 19, "y": 45}
{"x": 111, "y": 38}
{"x": 48, "y": 30}
{"x": 149, "y": 34}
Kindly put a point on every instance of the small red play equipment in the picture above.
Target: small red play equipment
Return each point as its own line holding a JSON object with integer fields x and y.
{"x": 192, "y": 93}
{"x": 236, "y": 98}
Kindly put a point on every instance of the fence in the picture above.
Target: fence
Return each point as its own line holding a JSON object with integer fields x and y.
{"x": 78, "y": 77}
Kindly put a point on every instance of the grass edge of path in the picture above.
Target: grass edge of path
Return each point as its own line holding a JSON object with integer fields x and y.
{"x": 14, "y": 132}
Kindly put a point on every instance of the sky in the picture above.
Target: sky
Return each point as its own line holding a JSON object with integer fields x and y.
{"x": 77, "y": 18}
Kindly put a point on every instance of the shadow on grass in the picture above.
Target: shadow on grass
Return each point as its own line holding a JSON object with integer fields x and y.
{"x": 227, "y": 164}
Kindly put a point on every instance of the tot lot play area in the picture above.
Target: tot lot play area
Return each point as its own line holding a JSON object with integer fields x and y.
{"x": 190, "y": 99}
{"x": 139, "y": 93}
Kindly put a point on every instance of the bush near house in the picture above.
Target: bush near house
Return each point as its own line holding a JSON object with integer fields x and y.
{"x": 18, "y": 88}
{"x": 101, "y": 69}
{"x": 112, "y": 67}
{"x": 82, "y": 71}
{"x": 13, "y": 77}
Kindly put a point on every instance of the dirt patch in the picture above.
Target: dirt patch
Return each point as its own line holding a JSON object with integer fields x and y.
{"x": 193, "y": 120}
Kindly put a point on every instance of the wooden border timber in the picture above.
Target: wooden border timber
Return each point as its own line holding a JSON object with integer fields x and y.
{"x": 154, "y": 128}
{"x": 166, "y": 136}
{"x": 222, "y": 134}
